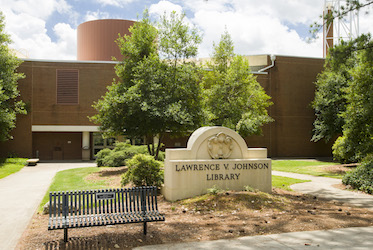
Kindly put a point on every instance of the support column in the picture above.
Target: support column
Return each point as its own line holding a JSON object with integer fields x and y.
{"x": 86, "y": 152}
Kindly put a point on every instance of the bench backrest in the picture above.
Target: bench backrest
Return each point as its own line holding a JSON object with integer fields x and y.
{"x": 104, "y": 201}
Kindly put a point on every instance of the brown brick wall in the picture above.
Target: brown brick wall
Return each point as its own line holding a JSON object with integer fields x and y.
{"x": 21, "y": 144}
{"x": 93, "y": 79}
{"x": 290, "y": 84}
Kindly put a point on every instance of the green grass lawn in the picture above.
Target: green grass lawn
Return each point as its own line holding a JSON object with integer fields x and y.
{"x": 285, "y": 182}
{"x": 305, "y": 167}
{"x": 9, "y": 166}
{"x": 74, "y": 179}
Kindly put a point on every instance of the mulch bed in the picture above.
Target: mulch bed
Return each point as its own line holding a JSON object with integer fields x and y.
{"x": 211, "y": 217}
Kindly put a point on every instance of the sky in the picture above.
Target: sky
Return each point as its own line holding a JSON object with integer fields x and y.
{"x": 47, "y": 29}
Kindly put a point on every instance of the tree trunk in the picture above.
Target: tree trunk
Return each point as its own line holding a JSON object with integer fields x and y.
{"x": 159, "y": 146}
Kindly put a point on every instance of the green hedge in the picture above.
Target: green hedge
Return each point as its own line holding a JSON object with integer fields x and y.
{"x": 143, "y": 170}
{"x": 122, "y": 152}
{"x": 362, "y": 177}
{"x": 343, "y": 152}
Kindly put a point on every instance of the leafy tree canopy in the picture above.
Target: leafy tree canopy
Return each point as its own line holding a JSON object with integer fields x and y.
{"x": 10, "y": 105}
{"x": 343, "y": 100}
{"x": 358, "y": 127}
{"x": 155, "y": 94}
{"x": 330, "y": 100}
{"x": 347, "y": 7}
{"x": 233, "y": 97}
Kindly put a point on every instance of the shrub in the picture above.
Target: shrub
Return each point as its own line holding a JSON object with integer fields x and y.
{"x": 119, "y": 146}
{"x": 115, "y": 159}
{"x": 122, "y": 152}
{"x": 342, "y": 152}
{"x": 143, "y": 170}
{"x": 161, "y": 156}
{"x": 134, "y": 150}
{"x": 362, "y": 177}
{"x": 100, "y": 156}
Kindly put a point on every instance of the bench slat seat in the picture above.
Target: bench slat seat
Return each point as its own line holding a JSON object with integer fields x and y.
{"x": 103, "y": 220}
{"x": 103, "y": 207}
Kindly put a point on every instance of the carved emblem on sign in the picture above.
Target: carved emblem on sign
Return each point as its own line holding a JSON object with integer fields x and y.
{"x": 220, "y": 146}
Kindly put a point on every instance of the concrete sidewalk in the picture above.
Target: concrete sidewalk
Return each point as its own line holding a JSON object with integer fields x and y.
{"x": 21, "y": 194}
{"x": 324, "y": 188}
{"x": 347, "y": 238}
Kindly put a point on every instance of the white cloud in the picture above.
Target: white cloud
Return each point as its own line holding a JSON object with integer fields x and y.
{"x": 40, "y": 46}
{"x": 256, "y": 27}
{"x": 366, "y": 22}
{"x": 66, "y": 42}
{"x": 26, "y": 24}
{"x": 212, "y": 5}
{"x": 117, "y": 3}
{"x": 37, "y": 8}
{"x": 293, "y": 11}
{"x": 94, "y": 15}
{"x": 165, "y": 7}
{"x": 252, "y": 34}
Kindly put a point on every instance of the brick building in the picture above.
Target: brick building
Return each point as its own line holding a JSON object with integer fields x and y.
{"x": 59, "y": 96}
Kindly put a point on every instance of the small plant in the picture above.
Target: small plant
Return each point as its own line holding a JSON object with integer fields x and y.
{"x": 250, "y": 189}
{"x": 214, "y": 190}
{"x": 362, "y": 177}
{"x": 143, "y": 170}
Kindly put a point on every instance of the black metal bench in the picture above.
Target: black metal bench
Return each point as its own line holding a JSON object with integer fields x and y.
{"x": 103, "y": 207}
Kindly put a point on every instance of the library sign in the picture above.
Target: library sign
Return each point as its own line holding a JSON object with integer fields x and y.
{"x": 215, "y": 156}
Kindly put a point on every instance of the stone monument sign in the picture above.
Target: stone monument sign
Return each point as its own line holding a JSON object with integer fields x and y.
{"x": 215, "y": 156}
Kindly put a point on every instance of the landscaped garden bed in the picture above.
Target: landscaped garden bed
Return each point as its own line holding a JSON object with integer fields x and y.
{"x": 226, "y": 214}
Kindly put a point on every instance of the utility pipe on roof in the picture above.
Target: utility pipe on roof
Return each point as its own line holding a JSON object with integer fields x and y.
{"x": 273, "y": 59}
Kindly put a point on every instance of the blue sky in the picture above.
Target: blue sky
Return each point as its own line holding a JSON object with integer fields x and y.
{"x": 46, "y": 29}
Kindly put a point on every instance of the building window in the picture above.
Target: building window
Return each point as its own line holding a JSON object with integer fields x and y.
{"x": 67, "y": 86}
{"x": 100, "y": 143}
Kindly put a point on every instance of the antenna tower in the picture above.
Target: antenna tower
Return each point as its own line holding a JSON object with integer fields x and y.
{"x": 344, "y": 27}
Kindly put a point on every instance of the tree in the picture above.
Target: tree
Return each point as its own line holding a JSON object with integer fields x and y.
{"x": 233, "y": 97}
{"x": 358, "y": 128}
{"x": 330, "y": 101}
{"x": 330, "y": 97}
{"x": 155, "y": 95}
{"x": 349, "y": 6}
{"x": 342, "y": 99}
{"x": 10, "y": 105}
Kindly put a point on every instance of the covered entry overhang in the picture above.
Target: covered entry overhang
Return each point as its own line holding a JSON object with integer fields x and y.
{"x": 62, "y": 142}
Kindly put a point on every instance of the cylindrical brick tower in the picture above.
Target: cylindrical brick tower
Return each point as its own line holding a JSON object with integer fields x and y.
{"x": 96, "y": 39}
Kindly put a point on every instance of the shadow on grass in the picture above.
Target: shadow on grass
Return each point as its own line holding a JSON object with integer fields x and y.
{"x": 112, "y": 172}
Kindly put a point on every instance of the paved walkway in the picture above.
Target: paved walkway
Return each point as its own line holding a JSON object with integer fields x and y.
{"x": 324, "y": 187}
{"x": 21, "y": 194}
{"x": 347, "y": 238}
